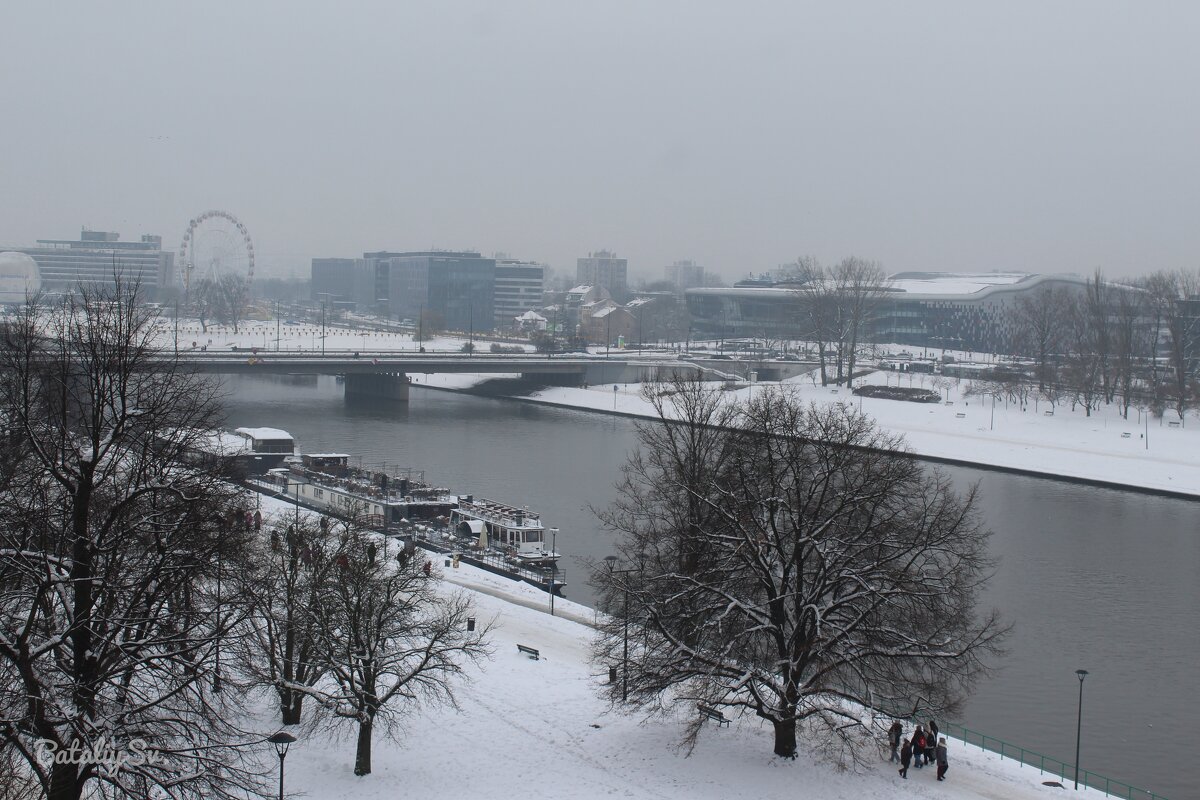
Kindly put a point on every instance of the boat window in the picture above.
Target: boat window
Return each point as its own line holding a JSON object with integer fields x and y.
{"x": 533, "y": 536}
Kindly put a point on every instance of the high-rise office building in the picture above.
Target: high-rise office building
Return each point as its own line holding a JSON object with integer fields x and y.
{"x": 603, "y": 268}
{"x": 96, "y": 257}
{"x": 685, "y": 275}
{"x": 458, "y": 287}
{"x": 519, "y": 287}
{"x": 347, "y": 280}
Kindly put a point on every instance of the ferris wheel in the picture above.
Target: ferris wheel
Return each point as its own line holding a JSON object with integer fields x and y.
{"x": 216, "y": 244}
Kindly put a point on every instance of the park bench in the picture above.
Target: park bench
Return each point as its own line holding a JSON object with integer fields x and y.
{"x": 531, "y": 652}
{"x": 713, "y": 714}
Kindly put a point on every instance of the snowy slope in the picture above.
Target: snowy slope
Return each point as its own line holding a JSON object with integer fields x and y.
{"x": 540, "y": 728}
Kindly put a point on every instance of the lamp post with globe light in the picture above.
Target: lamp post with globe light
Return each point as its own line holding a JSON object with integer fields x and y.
{"x": 282, "y": 740}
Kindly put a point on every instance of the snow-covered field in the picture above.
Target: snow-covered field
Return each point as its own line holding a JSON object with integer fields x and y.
{"x": 1102, "y": 447}
{"x": 541, "y": 728}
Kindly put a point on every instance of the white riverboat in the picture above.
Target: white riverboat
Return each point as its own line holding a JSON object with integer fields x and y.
{"x": 517, "y": 532}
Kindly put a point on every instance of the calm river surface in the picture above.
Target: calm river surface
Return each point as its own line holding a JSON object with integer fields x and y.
{"x": 1103, "y": 580}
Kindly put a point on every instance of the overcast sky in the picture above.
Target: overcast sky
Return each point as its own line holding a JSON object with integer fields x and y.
{"x": 1039, "y": 136}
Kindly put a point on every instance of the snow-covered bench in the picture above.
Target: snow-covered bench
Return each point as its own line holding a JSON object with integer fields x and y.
{"x": 531, "y": 652}
{"x": 713, "y": 714}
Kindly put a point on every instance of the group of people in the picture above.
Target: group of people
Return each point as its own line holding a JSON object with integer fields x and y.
{"x": 925, "y": 747}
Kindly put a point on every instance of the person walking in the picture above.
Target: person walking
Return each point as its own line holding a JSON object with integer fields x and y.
{"x": 931, "y": 741}
{"x": 942, "y": 763}
{"x": 906, "y": 753}
{"x": 895, "y": 734}
{"x": 918, "y": 747}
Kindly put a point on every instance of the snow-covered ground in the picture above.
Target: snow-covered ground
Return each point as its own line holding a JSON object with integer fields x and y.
{"x": 1103, "y": 447}
{"x": 541, "y": 728}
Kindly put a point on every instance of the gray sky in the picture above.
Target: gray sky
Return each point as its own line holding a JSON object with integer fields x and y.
{"x": 1040, "y": 136}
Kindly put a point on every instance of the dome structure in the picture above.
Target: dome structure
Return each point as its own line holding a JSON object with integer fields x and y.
{"x": 20, "y": 277}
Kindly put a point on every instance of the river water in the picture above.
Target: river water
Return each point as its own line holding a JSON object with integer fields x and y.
{"x": 1103, "y": 580}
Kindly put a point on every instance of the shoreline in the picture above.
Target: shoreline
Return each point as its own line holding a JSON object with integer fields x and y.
{"x": 935, "y": 459}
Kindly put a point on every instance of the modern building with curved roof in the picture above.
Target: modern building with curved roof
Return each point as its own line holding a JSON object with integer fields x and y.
{"x": 922, "y": 309}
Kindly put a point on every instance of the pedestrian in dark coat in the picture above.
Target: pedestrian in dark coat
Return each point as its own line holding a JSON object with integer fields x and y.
{"x": 931, "y": 740}
{"x": 943, "y": 764}
{"x": 895, "y": 734}
{"x": 905, "y": 758}
{"x": 918, "y": 747}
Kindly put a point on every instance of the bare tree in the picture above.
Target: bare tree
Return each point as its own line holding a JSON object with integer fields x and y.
{"x": 1099, "y": 301}
{"x": 820, "y": 570}
{"x": 291, "y": 582}
{"x": 1172, "y": 295}
{"x": 816, "y": 309}
{"x": 859, "y": 286}
{"x": 390, "y": 636}
{"x": 1131, "y": 344}
{"x": 1038, "y": 317}
{"x": 1086, "y": 345}
{"x": 231, "y": 293}
{"x": 203, "y": 300}
{"x": 109, "y": 625}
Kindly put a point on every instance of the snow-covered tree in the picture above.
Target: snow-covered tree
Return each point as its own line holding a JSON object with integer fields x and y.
{"x": 110, "y": 551}
{"x": 390, "y": 639}
{"x": 794, "y": 563}
{"x": 295, "y": 566}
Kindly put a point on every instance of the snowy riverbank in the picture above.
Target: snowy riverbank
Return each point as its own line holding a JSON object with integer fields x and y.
{"x": 1103, "y": 448}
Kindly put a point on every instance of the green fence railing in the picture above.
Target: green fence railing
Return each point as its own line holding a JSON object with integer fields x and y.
{"x": 1062, "y": 770}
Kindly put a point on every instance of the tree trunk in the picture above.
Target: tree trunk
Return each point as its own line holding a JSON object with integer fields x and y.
{"x": 362, "y": 756}
{"x": 291, "y": 704}
{"x": 785, "y": 738}
{"x": 65, "y": 783}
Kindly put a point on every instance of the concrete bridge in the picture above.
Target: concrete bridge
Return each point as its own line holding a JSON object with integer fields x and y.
{"x": 384, "y": 374}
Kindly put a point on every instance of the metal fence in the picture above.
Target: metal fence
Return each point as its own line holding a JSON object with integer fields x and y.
{"x": 1051, "y": 766}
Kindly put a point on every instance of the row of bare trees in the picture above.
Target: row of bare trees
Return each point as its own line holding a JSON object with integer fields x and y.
{"x": 1133, "y": 343}
{"x": 330, "y": 617}
{"x": 222, "y": 299}
{"x": 137, "y": 605}
{"x": 836, "y": 310}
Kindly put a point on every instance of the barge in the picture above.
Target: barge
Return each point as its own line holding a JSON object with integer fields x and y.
{"x": 502, "y": 539}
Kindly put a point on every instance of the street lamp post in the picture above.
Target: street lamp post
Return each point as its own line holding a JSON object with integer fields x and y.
{"x": 1081, "y": 673}
{"x": 613, "y": 572}
{"x": 217, "y": 649}
{"x": 281, "y": 740}
{"x": 553, "y": 565}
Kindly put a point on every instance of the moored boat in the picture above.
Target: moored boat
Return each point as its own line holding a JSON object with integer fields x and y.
{"x": 327, "y": 481}
{"x": 517, "y": 532}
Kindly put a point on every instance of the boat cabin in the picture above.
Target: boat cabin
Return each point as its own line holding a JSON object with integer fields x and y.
{"x": 516, "y": 531}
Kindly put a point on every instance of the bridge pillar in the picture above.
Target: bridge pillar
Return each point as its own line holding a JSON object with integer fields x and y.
{"x": 378, "y": 386}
